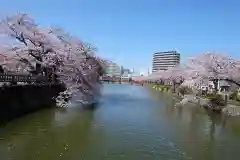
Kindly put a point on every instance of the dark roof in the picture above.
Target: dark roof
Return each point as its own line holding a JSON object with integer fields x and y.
{"x": 223, "y": 83}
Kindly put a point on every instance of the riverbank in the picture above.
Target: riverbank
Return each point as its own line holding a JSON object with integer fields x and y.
{"x": 227, "y": 109}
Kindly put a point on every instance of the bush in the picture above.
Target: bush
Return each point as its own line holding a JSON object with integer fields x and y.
{"x": 184, "y": 90}
{"x": 161, "y": 86}
{"x": 156, "y": 86}
{"x": 234, "y": 96}
{"x": 167, "y": 87}
{"x": 216, "y": 99}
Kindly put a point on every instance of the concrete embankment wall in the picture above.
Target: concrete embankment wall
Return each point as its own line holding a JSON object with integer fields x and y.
{"x": 18, "y": 100}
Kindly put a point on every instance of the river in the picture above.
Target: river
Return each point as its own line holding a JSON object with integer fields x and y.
{"x": 131, "y": 123}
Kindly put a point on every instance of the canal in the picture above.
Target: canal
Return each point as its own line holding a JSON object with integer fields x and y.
{"x": 131, "y": 123}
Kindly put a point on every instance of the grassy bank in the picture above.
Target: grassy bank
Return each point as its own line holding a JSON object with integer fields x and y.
{"x": 210, "y": 101}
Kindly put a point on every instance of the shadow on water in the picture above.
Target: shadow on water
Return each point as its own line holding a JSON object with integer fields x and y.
{"x": 47, "y": 134}
{"x": 92, "y": 106}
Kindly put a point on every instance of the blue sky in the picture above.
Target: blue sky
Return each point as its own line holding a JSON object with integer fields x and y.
{"x": 129, "y": 32}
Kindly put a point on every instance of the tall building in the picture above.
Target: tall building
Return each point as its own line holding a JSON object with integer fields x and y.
{"x": 164, "y": 60}
{"x": 113, "y": 69}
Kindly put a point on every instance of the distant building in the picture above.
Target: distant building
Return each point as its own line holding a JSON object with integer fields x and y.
{"x": 132, "y": 70}
{"x": 141, "y": 73}
{"x": 164, "y": 60}
{"x": 126, "y": 73}
{"x": 112, "y": 69}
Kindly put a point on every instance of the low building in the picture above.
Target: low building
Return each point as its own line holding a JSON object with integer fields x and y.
{"x": 126, "y": 74}
{"x": 113, "y": 69}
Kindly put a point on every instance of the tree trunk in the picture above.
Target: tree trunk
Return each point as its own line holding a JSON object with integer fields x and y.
{"x": 174, "y": 86}
{"x": 1, "y": 69}
{"x": 215, "y": 83}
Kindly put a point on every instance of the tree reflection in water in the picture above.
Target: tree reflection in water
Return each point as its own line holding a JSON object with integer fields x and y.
{"x": 201, "y": 131}
{"x": 46, "y": 137}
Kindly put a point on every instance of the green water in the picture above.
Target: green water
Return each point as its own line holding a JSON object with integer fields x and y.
{"x": 131, "y": 123}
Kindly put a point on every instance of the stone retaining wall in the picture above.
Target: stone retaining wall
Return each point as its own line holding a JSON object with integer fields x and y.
{"x": 18, "y": 100}
{"x": 231, "y": 110}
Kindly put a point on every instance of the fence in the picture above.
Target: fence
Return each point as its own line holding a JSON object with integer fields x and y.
{"x": 21, "y": 78}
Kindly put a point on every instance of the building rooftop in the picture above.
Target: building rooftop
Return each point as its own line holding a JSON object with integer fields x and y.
{"x": 166, "y": 52}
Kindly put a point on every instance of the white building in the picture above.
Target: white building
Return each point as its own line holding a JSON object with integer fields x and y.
{"x": 113, "y": 69}
{"x": 164, "y": 60}
{"x": 142, "y": 73}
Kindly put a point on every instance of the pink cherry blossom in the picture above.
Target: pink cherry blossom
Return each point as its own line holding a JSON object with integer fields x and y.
{"x": 201, "y": 69}
{"x": 72, "y": 60}
{"x": 213, "y": 66}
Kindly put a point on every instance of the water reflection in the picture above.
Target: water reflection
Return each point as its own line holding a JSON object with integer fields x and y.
{"x": 200, "y": 133}
{"x": 61, "y": 132}
{"x": 130, "y": 123}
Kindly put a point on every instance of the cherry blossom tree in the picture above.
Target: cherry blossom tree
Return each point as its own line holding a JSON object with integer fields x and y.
{"x": 12, "y": 61}
{"x": 175, "y": 75}
{"x": 156, "y": 76}
{"x": 213, "y": 67}
{"x": 38, "y": 50}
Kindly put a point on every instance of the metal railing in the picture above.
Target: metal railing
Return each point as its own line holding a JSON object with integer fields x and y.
{"x": 21, "y": 78}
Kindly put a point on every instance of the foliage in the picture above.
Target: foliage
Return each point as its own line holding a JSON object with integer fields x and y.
{"x": 212, "y": 66}
{"x": 40, "y": 49}
{"x": 216, "y": 99}
{"x": 175, "y": 75}
{"x": 161, "y": 86}
{"x": 198, "y": 71}
{"x": 234, "y": 96}
{"x": 184, "y": 90}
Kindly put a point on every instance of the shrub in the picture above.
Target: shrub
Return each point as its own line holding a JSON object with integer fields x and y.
{"x": 161, "y": 86}
{"x": 167, "y": 87}
{"x": 234, "y": 96}
{"x": 184, "y": 90}
{"x": 216, "y": 99}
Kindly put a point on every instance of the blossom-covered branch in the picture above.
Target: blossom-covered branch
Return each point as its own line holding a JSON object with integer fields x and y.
{"x": 54, "y": 50}
{"x": 201, "y": 69}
